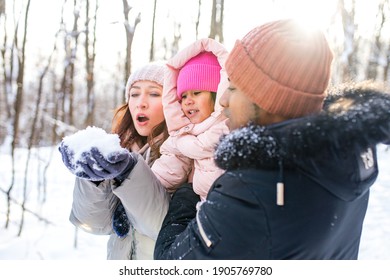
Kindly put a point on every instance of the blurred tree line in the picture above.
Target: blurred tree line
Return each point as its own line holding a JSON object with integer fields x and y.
{"x": 61, "y": 95}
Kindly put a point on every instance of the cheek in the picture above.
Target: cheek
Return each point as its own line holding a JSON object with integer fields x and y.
{"x": 132, "y": 110}
{"x": 239, "y": 116}
{"x": 158, "y": 113}
{"x": 241, "y": 112}
{"x": 208, "y": 106}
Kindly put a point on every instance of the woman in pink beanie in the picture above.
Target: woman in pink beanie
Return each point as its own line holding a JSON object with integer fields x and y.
{"x": 194, "y": 82}
{"x": 299, "y": 162}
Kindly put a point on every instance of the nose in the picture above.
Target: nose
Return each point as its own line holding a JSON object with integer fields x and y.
{"x": 224, "y": 99}
{"x": 188, "y": 101}
{"x": 142, "y": 102}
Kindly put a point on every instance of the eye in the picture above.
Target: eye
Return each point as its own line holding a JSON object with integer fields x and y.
{"x": 134, "y": 94}
{"x": 197, "y": 92}
{"x": 231, "y": 86}
{"x": 155, "y": 94}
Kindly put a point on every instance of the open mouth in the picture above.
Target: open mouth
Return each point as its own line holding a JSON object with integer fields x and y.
{"x": 191, "y": 112}
{"x": 142, "y": 118}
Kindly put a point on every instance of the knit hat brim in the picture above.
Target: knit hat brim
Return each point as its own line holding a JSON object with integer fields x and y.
{"x": 198, "y": 77}
{"x": 267, "y": 93}
{"x": 153, "y": 72}
{"x": 201, "y": 72}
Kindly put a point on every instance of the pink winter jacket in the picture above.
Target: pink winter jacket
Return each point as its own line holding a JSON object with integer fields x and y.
{"x": 191, "y": 145}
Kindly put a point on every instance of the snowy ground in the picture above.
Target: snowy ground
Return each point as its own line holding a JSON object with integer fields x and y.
{"x": 38, "y": 239}
{"x": 56, "y": 241}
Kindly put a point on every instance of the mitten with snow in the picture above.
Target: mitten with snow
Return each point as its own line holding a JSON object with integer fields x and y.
{"x": 67, "y": 157}
{"x": 95, "y": 166}
{"x": 95, "y": 155}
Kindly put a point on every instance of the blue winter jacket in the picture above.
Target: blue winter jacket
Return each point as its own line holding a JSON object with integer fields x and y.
{"x": 326, "y": 162}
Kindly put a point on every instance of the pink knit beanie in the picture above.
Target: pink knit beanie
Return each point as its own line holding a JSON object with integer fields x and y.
{"x": 282, "y": 68}
{"x": 201, "y": 72}
{"x": 153, "y": 71}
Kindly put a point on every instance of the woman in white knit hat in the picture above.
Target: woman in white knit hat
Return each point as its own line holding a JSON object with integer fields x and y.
{"x": 102, "y": 203}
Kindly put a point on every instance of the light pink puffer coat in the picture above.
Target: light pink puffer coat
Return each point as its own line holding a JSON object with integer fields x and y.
{"x": 191, "y": 145}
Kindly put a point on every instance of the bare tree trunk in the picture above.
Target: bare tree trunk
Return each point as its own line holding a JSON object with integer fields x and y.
{"x": 220, "y": 25}
{"x": 2, "y": 7}
{"x": 45, "y": 132}
{"x": 376, "y": 45}
{"x": 176, "y": 38}
{"x": 54, "y": 141}
{"x": 6, "y": 80}
{"x": 8, "y": 91}
{"x": 387, "y": 65}
{"x": 5, "y": 111}
{"x": 151, "y": 56}
{"x": 216, "y": 26}
{"x": 34, "y": 128}
{"x": 50, "y": 132}
{"x": 20, "y": 82}
{"x": 17, "y": 109}
{"x": 213, "y": 31}
{"x": 73, "y": 52}
{"x": 387, "y": 51}
{"x": 90, "y": 55}
{"x": 198, "y": 20}
{"x": 349, "y": 68}
{"x": 67, "y": 83}
{"x": 130, "y": 30}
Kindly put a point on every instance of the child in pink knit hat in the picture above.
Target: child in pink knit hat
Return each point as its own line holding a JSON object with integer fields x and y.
{"x": 197, "y": 85}
{"x": 194, "y": 117}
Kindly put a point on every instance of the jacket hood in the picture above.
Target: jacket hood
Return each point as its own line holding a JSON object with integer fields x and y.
{"x": 176, "y": 121}
{"x": 336, "y": 147}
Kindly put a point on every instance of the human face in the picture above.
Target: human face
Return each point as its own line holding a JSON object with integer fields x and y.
{"x": 197, "y": 105}
{"x": 237, "y": 107}
{"x": 145, "y": 106}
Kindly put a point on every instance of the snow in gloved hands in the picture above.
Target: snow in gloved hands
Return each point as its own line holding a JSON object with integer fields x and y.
{"x": 94, "y": 154}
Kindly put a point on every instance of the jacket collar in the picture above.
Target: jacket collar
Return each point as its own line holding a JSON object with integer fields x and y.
{"x": 353, "y": 119}
{"x": 335, "y": 148}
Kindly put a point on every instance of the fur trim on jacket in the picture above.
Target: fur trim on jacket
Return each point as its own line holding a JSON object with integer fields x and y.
{"x": 353, "y": 121}
{"x": 352, "y": 118}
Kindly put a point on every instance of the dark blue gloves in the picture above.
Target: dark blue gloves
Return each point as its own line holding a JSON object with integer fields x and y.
{"x": 93, "y": 165}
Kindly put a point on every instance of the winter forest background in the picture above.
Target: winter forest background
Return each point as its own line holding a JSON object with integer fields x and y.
{"x": 64, "y": 65}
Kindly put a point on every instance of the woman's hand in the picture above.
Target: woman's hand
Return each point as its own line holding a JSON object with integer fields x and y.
{"x": 93, "y": 165}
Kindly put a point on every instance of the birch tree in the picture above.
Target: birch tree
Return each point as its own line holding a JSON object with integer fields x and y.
{"x": 20, "y": 48}
{"x": 216, "y": 25}
{"x": 130, "y": 30}
{"x": 348, "y": 57}
{"x": 90, "y": 56}
{"x": 376, "y": 48}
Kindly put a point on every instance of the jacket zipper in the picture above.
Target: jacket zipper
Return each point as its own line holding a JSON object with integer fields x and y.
{"x": 201, "y": 231}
